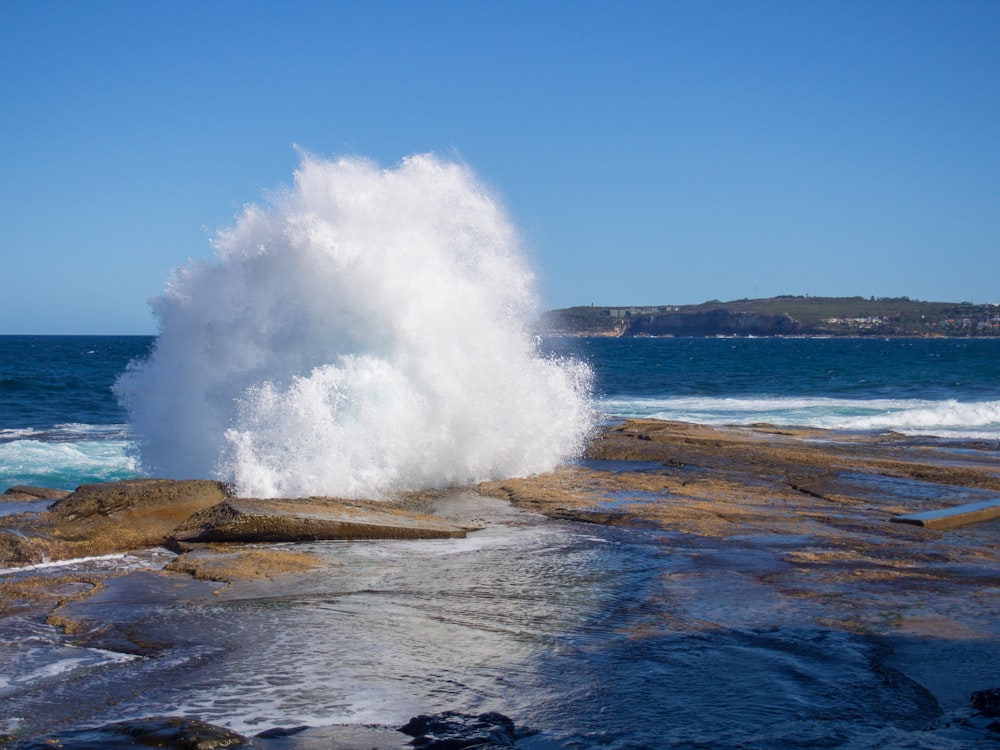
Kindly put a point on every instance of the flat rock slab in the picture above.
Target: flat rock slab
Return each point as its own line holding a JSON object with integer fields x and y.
{"x": 950, "y": 518}
{"x": 98, "y": 519}
{"x": 168, "y": 497}
{"x": 308, "y": 519}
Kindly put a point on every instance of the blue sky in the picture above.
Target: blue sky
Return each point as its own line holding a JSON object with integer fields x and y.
{"x": 649, "y": 152}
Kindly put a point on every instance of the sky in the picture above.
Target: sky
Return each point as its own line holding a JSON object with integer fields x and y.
{"x": 649, "y": 153}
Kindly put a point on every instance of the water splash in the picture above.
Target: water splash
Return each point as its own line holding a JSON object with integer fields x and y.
{"x": 368, "y": 331}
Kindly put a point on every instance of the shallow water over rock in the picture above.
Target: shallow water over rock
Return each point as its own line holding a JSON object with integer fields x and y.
{"x": 587, "y": 636}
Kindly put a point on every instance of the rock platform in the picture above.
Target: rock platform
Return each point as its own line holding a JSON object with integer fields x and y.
{"x": 100, "y": 519}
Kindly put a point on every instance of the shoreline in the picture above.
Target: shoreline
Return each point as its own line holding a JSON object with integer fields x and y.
{"x": 682, "y": 476}
{"x": 835, "y": 492}
{"x": 796, "y": 523}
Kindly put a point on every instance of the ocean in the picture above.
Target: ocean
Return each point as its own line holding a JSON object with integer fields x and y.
{"x": 937, "y": 387}
{"x": 61, "y": 425}
{"x": 569, "y": 628}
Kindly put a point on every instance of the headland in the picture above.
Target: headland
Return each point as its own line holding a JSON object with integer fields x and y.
{"x": 782, "y": 316}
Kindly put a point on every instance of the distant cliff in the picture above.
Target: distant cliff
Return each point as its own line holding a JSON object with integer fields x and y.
{"x": 782, "y": 316}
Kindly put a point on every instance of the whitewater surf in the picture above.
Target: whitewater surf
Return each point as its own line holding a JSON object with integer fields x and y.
{"x": 366, "y": 331}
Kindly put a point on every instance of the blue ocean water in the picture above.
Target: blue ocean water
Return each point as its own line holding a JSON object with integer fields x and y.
{"x": 939, "y": 387}
{"x": 61, "y": 425}
{"x": 593, "y": 635}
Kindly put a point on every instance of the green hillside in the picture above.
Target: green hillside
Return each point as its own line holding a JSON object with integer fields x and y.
{"x": 786, "y": 315}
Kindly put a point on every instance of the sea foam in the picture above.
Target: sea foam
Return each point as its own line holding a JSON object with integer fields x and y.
{"x": 912, "y": 416}
{"x": 369, "y": 330}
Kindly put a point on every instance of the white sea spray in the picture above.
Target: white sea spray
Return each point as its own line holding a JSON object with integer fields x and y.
{"x": 368, "y": 331}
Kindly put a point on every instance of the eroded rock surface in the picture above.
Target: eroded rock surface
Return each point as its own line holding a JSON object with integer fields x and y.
{"x": 452, "y": 731}
{"x": 24, "y": 492}
{"x": 814, "y": 504}
{"x": 113, "y": 517}
{"x": 171, "y": 732}
{"x": 444, "y": 731}
{"x": 99, "y": 519}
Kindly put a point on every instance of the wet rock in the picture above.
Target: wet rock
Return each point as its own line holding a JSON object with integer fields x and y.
{"x": 987, "y": 702}
{"x": 24, "y": 492}
{"x": 815, "y": 505}
{"x": 122, "y": 516}
{"x": 281, "y": 732}
{"x": 104, "y": 518}
{"x": 453, "y": 731}
{"x": 18, "y": 548}
{"x": 113, "y": 517}
{"x": 444, "y": 731}
{"x": 170, "y": 732}
{"x": 310, "y": 519}
{"x": 168, "y": 499}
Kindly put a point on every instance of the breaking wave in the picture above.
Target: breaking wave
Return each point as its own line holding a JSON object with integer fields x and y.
{"x": 370, "y": 330}
{"x": 942, "y": 418}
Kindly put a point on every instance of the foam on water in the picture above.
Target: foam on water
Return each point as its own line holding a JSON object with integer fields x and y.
{"x": 944, "y": 418}
{"x": 31, "y": 661}
{"x": 368, "y": 331}
{"x": 65, "y": 464}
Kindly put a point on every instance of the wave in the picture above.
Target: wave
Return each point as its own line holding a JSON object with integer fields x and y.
{"x": 64, "y": 464}
{"x": 943, "y": 418}
{"x": 369, "y": 331}
{"x": 68, "y": 432}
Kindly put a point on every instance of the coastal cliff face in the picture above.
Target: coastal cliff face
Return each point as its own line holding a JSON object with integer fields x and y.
{"x": 718, "y": 322}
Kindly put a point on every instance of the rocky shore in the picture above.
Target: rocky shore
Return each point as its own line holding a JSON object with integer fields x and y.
{"x": 800, "y": 522}
{"x": 677, "y": 476}
{"x": 99, "y": 519}
{"x": 826, "y": 500}
{"x": 445, "y": 731}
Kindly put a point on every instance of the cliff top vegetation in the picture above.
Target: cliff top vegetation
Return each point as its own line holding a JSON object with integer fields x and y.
{"x": 782, "y": 315}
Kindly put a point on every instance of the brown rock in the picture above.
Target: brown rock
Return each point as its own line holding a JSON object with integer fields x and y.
{"x": 159, "y": 731}
{"x": 811, "y": 507}
{"x": 99, "y": 519}
{"x": 226, "y": 563}
{"x": 166, "y": 498}
{"x": 19, "y": 548}
{"x": 27, "y": 493}
{"x": 309, "y": 519}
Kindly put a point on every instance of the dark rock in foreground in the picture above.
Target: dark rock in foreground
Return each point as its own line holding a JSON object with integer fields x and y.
{"x": 444, "y": 731}
{"x": 24, "y": 492}
{"x": 987, "y": 702}
{"x": 171, "y": 732}
{"x": 453, "y": 731}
